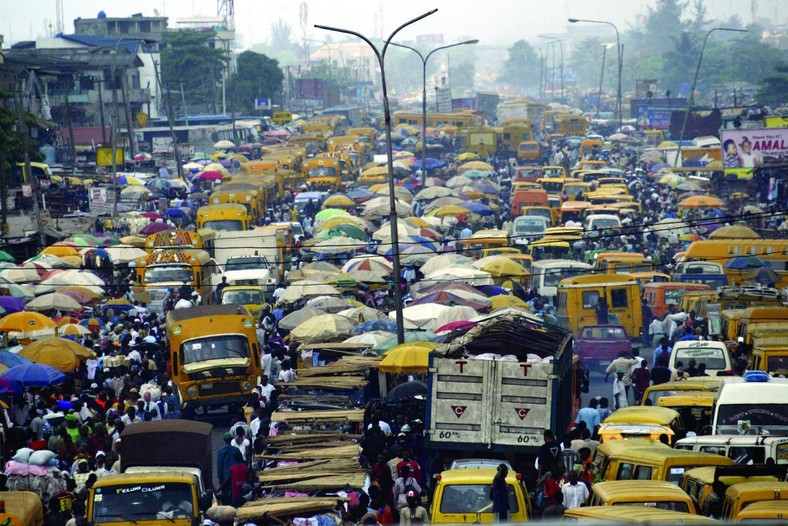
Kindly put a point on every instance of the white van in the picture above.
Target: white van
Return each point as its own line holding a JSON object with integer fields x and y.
{"x": 752, "y": 408}
{"x": 714, "y": 354}
{"x": 528, "y": 228}
{"x": 742, "y": 449}
{"x": 546, "y": 274}
{"x": 598, "y": 222}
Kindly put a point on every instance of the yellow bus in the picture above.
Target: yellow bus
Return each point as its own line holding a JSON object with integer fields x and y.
{"x": 572, "y": 125}
{"x": 463, "y": 119}
{"x": 516, "y": 131}
{"x": 247, "y": 195}
{"x": 215, "y": 355}
{"x": 774, "y": 251}
{"x": 172, "y": 268}
{"x": 323, "y": 173}
{"x": 226, "y": 217}
{"x": 579, "y": 296}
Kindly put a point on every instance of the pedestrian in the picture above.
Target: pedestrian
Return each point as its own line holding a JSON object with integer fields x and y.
{"x": 574, "y": 492}
{"x": 413, "y": 513}
{"x": 224, "y": 459}
{"x": 499, "y": 494}
{"x": 625, "y": 361}
{"x": 619, "y": 391}
{"x": 589, "y": 415}
{"x": 555, "y": 511}
{"x": 641, "y": 378}
{"x": 663, "y": 348}
{"x": 660, "y": 372}
{"x": 236, "y": 478}
{"x": 549, "y": 453}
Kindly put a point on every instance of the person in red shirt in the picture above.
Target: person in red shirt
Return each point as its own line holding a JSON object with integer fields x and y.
{"x": 552, "y": 486}
{"x": 236, "y": 478}
{"x": 412, "y": 464}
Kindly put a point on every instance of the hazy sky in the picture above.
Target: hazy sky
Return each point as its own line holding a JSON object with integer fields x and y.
{"x": 494, "y": 22}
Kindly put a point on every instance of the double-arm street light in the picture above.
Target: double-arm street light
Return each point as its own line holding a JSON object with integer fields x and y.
{"x": 381, "y": 55}
{"x": 620, "y": 59}
{"x": 424, "y": 60}
{"x": 691, "y": 96}
{"x": 553, "y": 40}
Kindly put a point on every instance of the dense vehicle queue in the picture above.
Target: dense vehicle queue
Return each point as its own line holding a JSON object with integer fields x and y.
{"x": 588, "y": 335}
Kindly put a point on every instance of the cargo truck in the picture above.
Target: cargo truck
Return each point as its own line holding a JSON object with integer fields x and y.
{"x": 502, "y": 407}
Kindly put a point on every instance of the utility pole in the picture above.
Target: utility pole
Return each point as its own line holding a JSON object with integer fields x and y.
{"x": 114, "y": 132}
{"x": 72, "y": 148}
{"x": 20, "y": 111}
{"x": 127, "y": 109}
{"x": 101, "y": 113}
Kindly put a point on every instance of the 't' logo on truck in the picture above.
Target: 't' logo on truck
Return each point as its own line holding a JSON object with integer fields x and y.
{"x": 522, "y": 412}
{"x": 459, "y": 409}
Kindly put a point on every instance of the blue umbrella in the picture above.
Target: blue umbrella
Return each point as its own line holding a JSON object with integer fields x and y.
{"x": 492, "y": 290}
{"x": 158, "y": 184}
{"x": 375, "y": 325}
{"x": 175, "y": 212}
{"x": 746, "y": 262}
{"x": 34, "y": 375}
{"x": 478, "y": 208}
{"x": 359, "y": 194}
{"x": 10, "y": 359}
{"x": 11, "y": 304}
{"x": 432, "y": 164}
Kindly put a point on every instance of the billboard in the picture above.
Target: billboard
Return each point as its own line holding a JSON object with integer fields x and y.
{"x": 309, "y": 88}
{"x": 654, "y": 118}
{"x": 743, "y": 150}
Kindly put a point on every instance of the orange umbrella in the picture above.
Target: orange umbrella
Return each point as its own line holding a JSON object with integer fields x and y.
{"x": 702, "y": 201}
{"x": 60, "y": 353}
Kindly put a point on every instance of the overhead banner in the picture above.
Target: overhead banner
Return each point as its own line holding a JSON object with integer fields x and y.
{"x": 743, "y": 150}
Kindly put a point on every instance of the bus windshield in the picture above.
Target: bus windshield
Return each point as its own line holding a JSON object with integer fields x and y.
{"x": 215, "y": 348}
{"x": 246, "y": 263}
{"x": 225, "y": 225}
{"x": 144, "y": 501}
{"x": 757, "y": 419}
{"x": 322, "y": 171}
{"x": 167, "y": 273}
{"x": 242, "y": 297}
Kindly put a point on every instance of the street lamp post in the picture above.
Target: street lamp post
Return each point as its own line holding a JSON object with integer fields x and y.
{"x": 691, "y": 96}
{"x": 620, "y": 52}
{"x": 115, "y": 121}
{"x": 381, "y": 55}
{"x": 424, "y": 60}
{"x": 553, "y": 40}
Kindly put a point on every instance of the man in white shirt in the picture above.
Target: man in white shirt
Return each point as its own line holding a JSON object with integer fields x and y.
{"x": 130, "y": 417}
{"x": 135, "y": 356}
{"x": 575, "y": 493}
{"x": 265, "y": 389}
{"x": 150, "y": 408}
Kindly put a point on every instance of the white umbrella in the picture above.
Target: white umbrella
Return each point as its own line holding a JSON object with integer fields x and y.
{"x": 422, "y": 316}
{"x": 403, "y": 229}
{"x": 362, "y": 314}
{"x": 306, "y": 289}
{"x": 322, "y": 328}
{"x": 376, "y": 264}
{"x": 223, "y": 145}
{"x": 369, "y": 338}
{"x": 434, "y": 192}
{"x": 124, "y": 253}
{"x": 330, "y": 304}
{"x": 338, "y": 245}
{"x": 54, "y": 301}
{"x": 20, "y": 274}
{"x": 456, "y": 313}
{"x": 440, "y": 261}
{"x": 468, "y": 275}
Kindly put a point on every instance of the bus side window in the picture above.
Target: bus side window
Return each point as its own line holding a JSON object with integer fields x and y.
{"x": 590, "y": 299}
{"x": 643, "y": 473}
{"x": 618, "y": 298}
{"x": 625, "y": 471}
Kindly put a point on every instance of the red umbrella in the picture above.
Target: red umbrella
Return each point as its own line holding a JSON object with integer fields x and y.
{"x": 456, "y": 325}
{"x": 155, "y": 228}
{"x": 210, "y": 175}
{"x": 80, "y": 298}
{"x": 153, "y": 216}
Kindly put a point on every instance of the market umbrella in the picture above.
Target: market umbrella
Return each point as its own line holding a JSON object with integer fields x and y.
{"x": 671, "y": 179}
{"x": 91, "y": 291}
{"x": 176, "y": 212}
{"x": 411, "y": 389}
{"x": 73, "y": 329}
{"x": 368, "y": 338}
{"x": 26, "y": 322}
{"x": 363, "y": 314}
{"x": 11, "y": 304}
{"x": 342, "y": 220}
{"x": 328, "y": 213}
{"x": 666, "y": 227}
{"x": 119, "y": 304}
{"x": 224, "y": 145}
{"x": 475, "y": 174}
{"x": 318, "y": 266}
{"x": 359, "y": 194}
{"x": 458, "y": 181}
{"x": 375, "y": 325}
{"x": 62, "y": 354}
{"x": 355, "y": 276}
{"x": 54, "y": 301}
{"x": 82, "y": 299}
{"x": 11, "y": 359}
{"x": 468, "y": 156}
{"x": 134, "y": 192}
{"x": 702, "y": 201}
{"x": 60, "y": 250}
{"x": 411, "y": 335}
{"x": 477, "y": 208}
{"x": 93, "y": 324}
{"x": 767, "y": 277}
{"x": 499, "y": 266}
{"x": 447, "y": 259}
{"x": 434, "y": 192}
{"x": 210, "y": 175}
{"x": 322, "y": 328}
{"x": 456, "y": 325}
{"x": 377, "y": 264}
{"x": 297, "y": 317}
{"x": 23, "y": 292}
{"x": 689, "y": 186}
{"x": 155, "y": 228}
{"x": 407, "y": 358}
{"x": 344, "y": 230}
{"x": 468, "y": 275}
{"x": 296, "y": 292}
{"x": 451, "y": 211}
{"x": 34, "y": 375}
{"x": 738, "y": 263}
{"x": 445, "y": 297}
{"x": 475, "y": 165}
{"x": 506, "y": 300}
{"x": 20, "y": 274}
{"x": 725, "y": 232}
{"x": 338, "y": 201}
{"x": 422, "y": 316}
{"x": 5, "y": 256}
{"x": 330, "y": 304}
{"x": 338, "y": 245}
{"x": 416, "y": 255}
{"x": 432, "y": 164}
{"x": 122, "y": 254}
{"x": 454, "y": 314}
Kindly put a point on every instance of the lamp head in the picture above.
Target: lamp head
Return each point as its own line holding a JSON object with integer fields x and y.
{"x": 573, "y": 20}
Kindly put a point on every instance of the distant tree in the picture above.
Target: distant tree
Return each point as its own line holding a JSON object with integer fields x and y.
{"x": 188, "y": 60}
{"x": 461, "y": 75}
{"x": 521, "y": 69}
{"x": 773, "y": 90}
{"x": 257, "y": 76}
{"x": 664, "y": 18}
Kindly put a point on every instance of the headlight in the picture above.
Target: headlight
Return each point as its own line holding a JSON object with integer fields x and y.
{"x": 191, "y": 392}
{"x": 246, "y": 386}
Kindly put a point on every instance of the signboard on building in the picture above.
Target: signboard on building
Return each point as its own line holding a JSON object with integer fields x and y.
{"x": 444, "y": 99}
{"x": 102, "y": 201}
{"x": 743, "y": 150}
{"x": 282, "y": 116}
{"x": 644, "y": 86}
{"x": 104, "y": 156}
{"x": 262, "y": 104}
{"x": 309, "y": 89}
{"x": 654, "y": 118}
